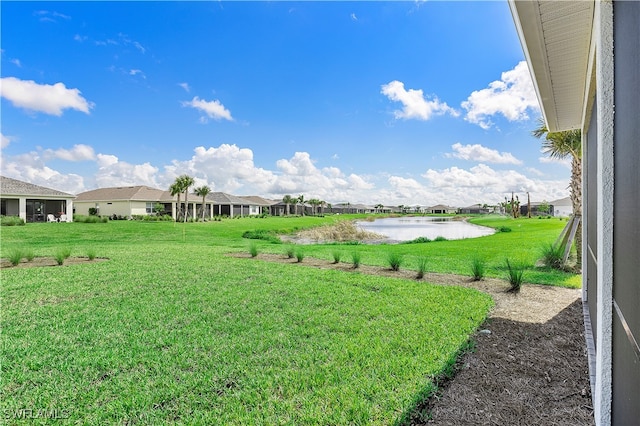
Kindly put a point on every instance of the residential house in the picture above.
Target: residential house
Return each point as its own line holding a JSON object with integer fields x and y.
{"x": 259, "y": 203}
{"x": 127, "y": 201}
{"x": 223, "y": 204}
{"x": 584, "y": 59}
{"x": 562, "y": 207}
{"x": 34, "y": 203}
{"x": 537, "y": 209}
{"x": 440, "y": 209}
{"x": 476, "y": 209}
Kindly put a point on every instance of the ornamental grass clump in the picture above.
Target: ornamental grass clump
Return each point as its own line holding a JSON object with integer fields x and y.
{"x": 478, "y": 268}
{"x": 290, "y": 252}
{"x": 394, "y": 260}
{"x": 253, "y": 250}
{"x": 91, "y": 253}
{"x": 515, "y": 276}
{"x": 355, "y": 259}
{"x": 553, "y": 256}
{"x": 300, "y": 255}
{"x": 28, "y": 254}
{"x": 15, "y": 256}
{"x": 422, "y": 267}
{"x": 61, "y": 255}
{"x": 337, "y": 255}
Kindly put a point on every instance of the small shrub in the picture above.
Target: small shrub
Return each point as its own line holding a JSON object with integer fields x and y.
{"x": 91, "y": 253}
{"x": 290, "y": 252}
{"x": 253, "y": 250}
{"x": 90, "y": 219}
{"x": 394, "y": 260}
{"x": 422, "y": 267}
{"x": 478, "y": 268}
{"x": 15, "y": 256}
{"x": 515, "y": 276}
{"x": 337, "y": 255}
{"x": 418, "y": 240}
{"x": 93, "y": 211}
{"x": 62, "y": 254}
{"x": 440, "y": 238}
{"x": 11, "y": 221}
{"x": 504, "y": 229}
{"x": 299, "y": 255}
{"x": 552, "y": 256}
{"x": 262, "y": 234}
{"x": 355, "y": 259}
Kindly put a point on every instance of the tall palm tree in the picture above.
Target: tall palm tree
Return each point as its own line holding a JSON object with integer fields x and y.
{"x": 184, "y": 182}
{"x": 315, "y": 202}
{"x": 301, "y": 201}
{"x": 287, "y": 199}
{"x": 175, "y": 189}
{"x": 202, "y": 191}
{"x": 561, "y": 145}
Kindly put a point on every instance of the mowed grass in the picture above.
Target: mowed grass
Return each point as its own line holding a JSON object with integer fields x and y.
{"x": 171, "y": 330}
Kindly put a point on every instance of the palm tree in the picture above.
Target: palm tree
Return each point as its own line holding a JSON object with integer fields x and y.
{"x": 301, "y": 201}
{"x": 315, "y": 203}
{"x": 175, "y": 189}
{"x": 182, "y": 184}
{"x": 287, "y": 199}
{"x": 202, "y": 191}
{"x": 561, "y": 145}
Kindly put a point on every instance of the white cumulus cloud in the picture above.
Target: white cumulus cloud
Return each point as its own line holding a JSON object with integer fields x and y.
{"x": 213, "y": 109}
{"x": 79, "y": 152}
{"x": 479, "y": 153}
{"x": 4, "y": 141}
{"x": 46, "y": 98}
{"x": 113, "y": 172}
{"x": 511, "y": 96}
{"x": 415, "y": 105}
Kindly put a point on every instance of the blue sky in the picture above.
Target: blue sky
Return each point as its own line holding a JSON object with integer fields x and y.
{"x": 376, "y": 102}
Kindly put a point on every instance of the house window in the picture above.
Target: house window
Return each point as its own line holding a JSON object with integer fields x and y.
{"x": 149, "y": 208}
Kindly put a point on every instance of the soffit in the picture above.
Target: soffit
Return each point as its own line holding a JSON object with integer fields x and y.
{"x": 556, "y": 38}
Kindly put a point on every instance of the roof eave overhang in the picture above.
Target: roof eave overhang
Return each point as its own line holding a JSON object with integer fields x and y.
{"x": 556, "y": 39}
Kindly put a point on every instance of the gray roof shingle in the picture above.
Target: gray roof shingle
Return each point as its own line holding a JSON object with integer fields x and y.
{"x": 9, "y": 186}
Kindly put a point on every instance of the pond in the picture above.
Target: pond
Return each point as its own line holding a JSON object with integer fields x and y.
{"x": 410, "y": 228}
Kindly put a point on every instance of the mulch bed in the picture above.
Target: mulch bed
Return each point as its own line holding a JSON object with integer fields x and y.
{"x": 38, "y": 262}
{"x": 519, "y": 374}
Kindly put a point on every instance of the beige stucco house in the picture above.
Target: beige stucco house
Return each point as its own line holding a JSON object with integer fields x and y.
{"x": 34, "y": 203}
{"x": 125, "y": 201}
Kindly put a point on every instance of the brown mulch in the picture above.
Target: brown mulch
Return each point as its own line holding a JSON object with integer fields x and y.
{"x": 528, "y": 365}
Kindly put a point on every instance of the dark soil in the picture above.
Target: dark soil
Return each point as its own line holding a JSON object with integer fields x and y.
{"x": 528, "y": 365}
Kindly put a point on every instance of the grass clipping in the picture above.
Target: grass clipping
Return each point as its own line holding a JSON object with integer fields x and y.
{"x": 343, "y": 231}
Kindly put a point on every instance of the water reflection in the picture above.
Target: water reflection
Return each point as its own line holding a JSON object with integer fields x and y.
{"x": 410, "y": 228}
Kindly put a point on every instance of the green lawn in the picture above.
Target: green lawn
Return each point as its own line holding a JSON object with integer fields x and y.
{"x": 170, "y": 329}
